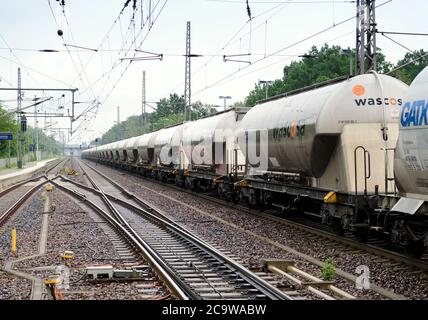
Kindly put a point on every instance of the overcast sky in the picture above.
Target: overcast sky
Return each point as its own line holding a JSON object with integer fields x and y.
{"x": 218, "y": 28}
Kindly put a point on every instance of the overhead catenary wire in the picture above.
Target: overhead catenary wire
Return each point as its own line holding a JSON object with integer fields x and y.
{"x": 398, "y": 43}
{"x": 38, "y": 72}
{"x": 152, "y": 20}
{"x": 115, "y": 63}
{"x": 283, "y": 60}
{"x": 407, "y": 63}
{"x": 63, "y": 40}
{"x": 231, "y": 41}
{"x": 17, "y": 59}
{"x": 283, "y": 49}
{"x": 119, "y": 61}
{"x": 78, "y": 55}
{"x": 282, "y": 2}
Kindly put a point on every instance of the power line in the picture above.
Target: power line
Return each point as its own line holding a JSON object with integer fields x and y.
{"x": 282, "y": 60}
{"x": 36, "y": 71}
{"x": 396, "y": 42}
{"x": 281, "y": 6}
{"x": 168, "y": 54}
{"x": 282, "y": 2}
{"x": 104, "y": 39}
{"x": 152, "y": 21}
{"x": 404, "y": 33}
{"x": 16, "y": 57}
{"x": 117, "y": 62}
{"x": 83, "y": 67}
{"x": 283, "y": 49}
{"x": 407, "y": 63}
{"x": 78, "y": 55}
{"x": 63, "y": 40}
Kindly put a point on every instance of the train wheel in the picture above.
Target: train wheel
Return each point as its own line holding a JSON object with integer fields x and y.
{"x": 362, "y": 234}
{"x": 416, "y": 249}
{"x": 338, "y": 227}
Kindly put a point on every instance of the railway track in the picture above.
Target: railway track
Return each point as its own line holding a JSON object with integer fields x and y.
{"x": 374, "y": 246}
{"x": 23, "y": 190}
{"x": 389, "y": 259}
{"x": 321, "y": 231}
{"x": 37, "y": 177}
{"x": 192, "y": 268}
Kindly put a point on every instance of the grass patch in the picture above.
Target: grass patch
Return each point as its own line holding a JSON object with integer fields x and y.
{"x": 328, "y": 270}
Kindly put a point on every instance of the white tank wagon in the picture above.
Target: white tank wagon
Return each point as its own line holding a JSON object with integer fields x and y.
{"x": 329, "y": 153}
{"x": 208, "y": 142}
{"x": 167, "y": 146}
{"x": 118, "y": 149}
{"x": 130, "y": 154}
{"x": 210, "y": 145}
{"x": 100, "y": 151}
{"x": 315, "y": 133}
{"x": 411, "y": 156}
{"x": 408, "y": 214}
{"x": 113, "y": 151}
{"x": 108, "y": 152}
{"x": 121, "y": 150}
{"x": 327, "y": 149}
{"x": 145, "y": 146}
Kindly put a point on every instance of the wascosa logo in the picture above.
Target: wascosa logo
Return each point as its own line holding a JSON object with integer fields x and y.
{"x": 359, "y": 90}
{"x": 290, "y": 130}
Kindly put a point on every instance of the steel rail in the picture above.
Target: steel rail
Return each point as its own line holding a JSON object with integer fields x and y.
{"x": 156, "y": 262}
{"x": 392, "y": 255}
{"x": 55, "y": 165}
{"x": 12, "y": 209}
{"x": 19, "y": 184}
{"x": 111, "y": 207}
{"x": 258, "y": 283}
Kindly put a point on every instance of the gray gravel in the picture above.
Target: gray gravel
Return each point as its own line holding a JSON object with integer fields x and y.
{"x": 10, "y": 198}
{"x": 70, "y": 228}
{"x": 27, "y": 222}
{"x": 411, "y": 285}
{"x": 14, "y": 288}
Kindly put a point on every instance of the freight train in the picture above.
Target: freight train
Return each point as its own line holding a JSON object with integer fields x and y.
{"x": 352, "y": 151}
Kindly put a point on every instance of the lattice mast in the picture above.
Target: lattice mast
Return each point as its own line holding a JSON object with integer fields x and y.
{"x": 366, "y": 36}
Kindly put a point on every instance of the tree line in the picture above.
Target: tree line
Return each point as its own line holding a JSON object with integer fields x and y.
{"x": 328, "y": 63}
{"x": 317, "y": 66}
{"x": 167, "y": 112}
{"x": 9, "y": 123}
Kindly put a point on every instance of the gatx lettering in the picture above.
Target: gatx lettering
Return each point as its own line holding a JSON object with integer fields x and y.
{"x": 414, "y": 114}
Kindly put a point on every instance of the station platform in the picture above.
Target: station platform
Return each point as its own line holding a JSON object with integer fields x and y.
{"x": 15, "y": 175}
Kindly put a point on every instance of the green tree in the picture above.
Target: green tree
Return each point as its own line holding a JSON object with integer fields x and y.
{"x": 174, "y": 105}
{"x": 408, "y": 70}
{"x": 168, "y": 112}
{"x": 8, "y": 124}
{"x": 317, "y": 66}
